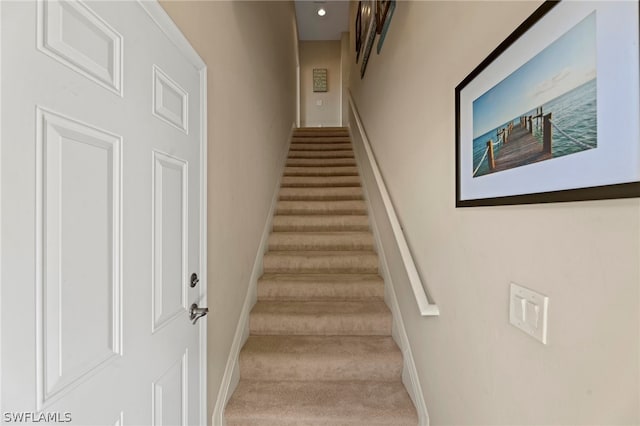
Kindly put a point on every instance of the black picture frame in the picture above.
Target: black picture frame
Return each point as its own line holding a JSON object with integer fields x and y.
{"x": 358, "y": 31}
{"x": 369, "y": 25}
{"x": 522, "y": 181}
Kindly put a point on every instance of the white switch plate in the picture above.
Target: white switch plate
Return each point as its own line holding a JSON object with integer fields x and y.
{"x": 528, "y": 311}
{"x": 318, "y": 102}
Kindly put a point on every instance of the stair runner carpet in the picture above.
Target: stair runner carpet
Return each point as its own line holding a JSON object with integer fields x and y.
{"x": 320, "y": 350}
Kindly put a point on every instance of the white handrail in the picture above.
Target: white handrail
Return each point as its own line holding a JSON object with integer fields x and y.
{"x": 424, "y": 305}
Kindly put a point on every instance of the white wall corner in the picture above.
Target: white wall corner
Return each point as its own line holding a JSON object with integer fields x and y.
{"x": 231, "y": 375}
{"x": 409, "y": 372}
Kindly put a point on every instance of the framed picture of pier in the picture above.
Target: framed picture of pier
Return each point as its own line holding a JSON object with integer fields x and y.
{"x": 552, "y": 114}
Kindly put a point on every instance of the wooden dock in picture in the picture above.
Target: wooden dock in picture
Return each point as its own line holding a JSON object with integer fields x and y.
{"x": 518, "y": 145}
{"x": 521, "y": 148}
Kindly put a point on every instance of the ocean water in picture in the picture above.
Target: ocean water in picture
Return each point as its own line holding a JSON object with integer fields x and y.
{"x": 561, "y": 80}
{"x": 574, "y": 112}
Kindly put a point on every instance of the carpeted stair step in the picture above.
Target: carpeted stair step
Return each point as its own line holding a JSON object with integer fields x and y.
{"x": 321, "y": 194}
{"x": 321, "y": 262}
{"x": 288, "y": 403}
{"x": 321, "y": 171}
{"x": 321, "y": 358}
{"x": 320, "y": 129}
{"x": 320, "y": 286}
{"x": 311, "y": 146}
{"x": 320, "y": 318}
{"x": 300, "y": 140}
{"x": 308, "y": 223}
{"x": 321, "y": 133}
{"x": 314, "y": 181}
{"x": 320, "y": 162}
{"x": 320, "y": 154}
{"x": 357, "y": 207}
{"x": 327, "y": 241}
{"x": 324, "y": 133}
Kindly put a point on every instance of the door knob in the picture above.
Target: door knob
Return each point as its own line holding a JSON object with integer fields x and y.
{"x": 196, "y": 313}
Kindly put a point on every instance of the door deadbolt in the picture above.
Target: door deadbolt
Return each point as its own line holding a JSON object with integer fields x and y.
{"x": 194, "y": 280}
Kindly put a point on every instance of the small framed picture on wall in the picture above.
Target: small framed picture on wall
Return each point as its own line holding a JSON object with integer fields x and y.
{"x": 320, "y": 80}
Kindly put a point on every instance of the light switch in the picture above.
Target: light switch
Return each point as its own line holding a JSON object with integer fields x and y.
{"x": 528, "y": 311}
{"x": 531, "y": 315}
{"x": 520, "y": 308}
{"x": 318, "y": 102}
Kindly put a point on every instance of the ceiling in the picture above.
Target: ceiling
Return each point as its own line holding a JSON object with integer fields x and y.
{"x": 327, "y": 27}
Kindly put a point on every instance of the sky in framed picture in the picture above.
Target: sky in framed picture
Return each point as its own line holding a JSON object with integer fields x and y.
{"x": 560, "y": 80}
{"x": 554, "y": 110}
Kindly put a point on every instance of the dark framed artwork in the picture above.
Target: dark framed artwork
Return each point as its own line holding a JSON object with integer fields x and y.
{"x": 369, "y": 25}
{"x": 382, "y": 8}
{"x": 385, "y": 9}
{"x": 552, "y": 114}
{"x": 358, "y": 31}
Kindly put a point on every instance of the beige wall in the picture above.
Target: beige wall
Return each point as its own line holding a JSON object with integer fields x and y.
{"x": 474, "y": 367}
{"x": 249, "y": 48}
{"x": 320, "y": 54}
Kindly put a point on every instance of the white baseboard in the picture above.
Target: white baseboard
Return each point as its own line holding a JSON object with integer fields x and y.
{"x": 231, "y": 375}
{"x": 409, "y": 373}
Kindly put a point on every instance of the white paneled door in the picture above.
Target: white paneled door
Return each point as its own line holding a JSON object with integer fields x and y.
{"x": 102, "y": 208}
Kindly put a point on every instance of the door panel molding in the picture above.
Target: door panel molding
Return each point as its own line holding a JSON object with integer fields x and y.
{"x": 72, "y": 34}
{"x": 120, "y": 420}
{"x": 170, "y": 101}
{"x": 169, "y": 396}
{"x": 78, "y": 210}
{"x": 167, "y": 286}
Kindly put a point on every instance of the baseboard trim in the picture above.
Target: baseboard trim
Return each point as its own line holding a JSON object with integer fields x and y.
{"x": 409, "y": 373}
{"x": 231, "y": 375}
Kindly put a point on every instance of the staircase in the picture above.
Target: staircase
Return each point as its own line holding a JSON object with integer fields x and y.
{"x": 320, "y": 350}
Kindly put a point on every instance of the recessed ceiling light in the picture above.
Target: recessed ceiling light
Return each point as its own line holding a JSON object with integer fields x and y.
{"x": 322, "y": 12}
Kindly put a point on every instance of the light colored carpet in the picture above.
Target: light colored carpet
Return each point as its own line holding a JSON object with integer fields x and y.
{"x": 320, "y": 350}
